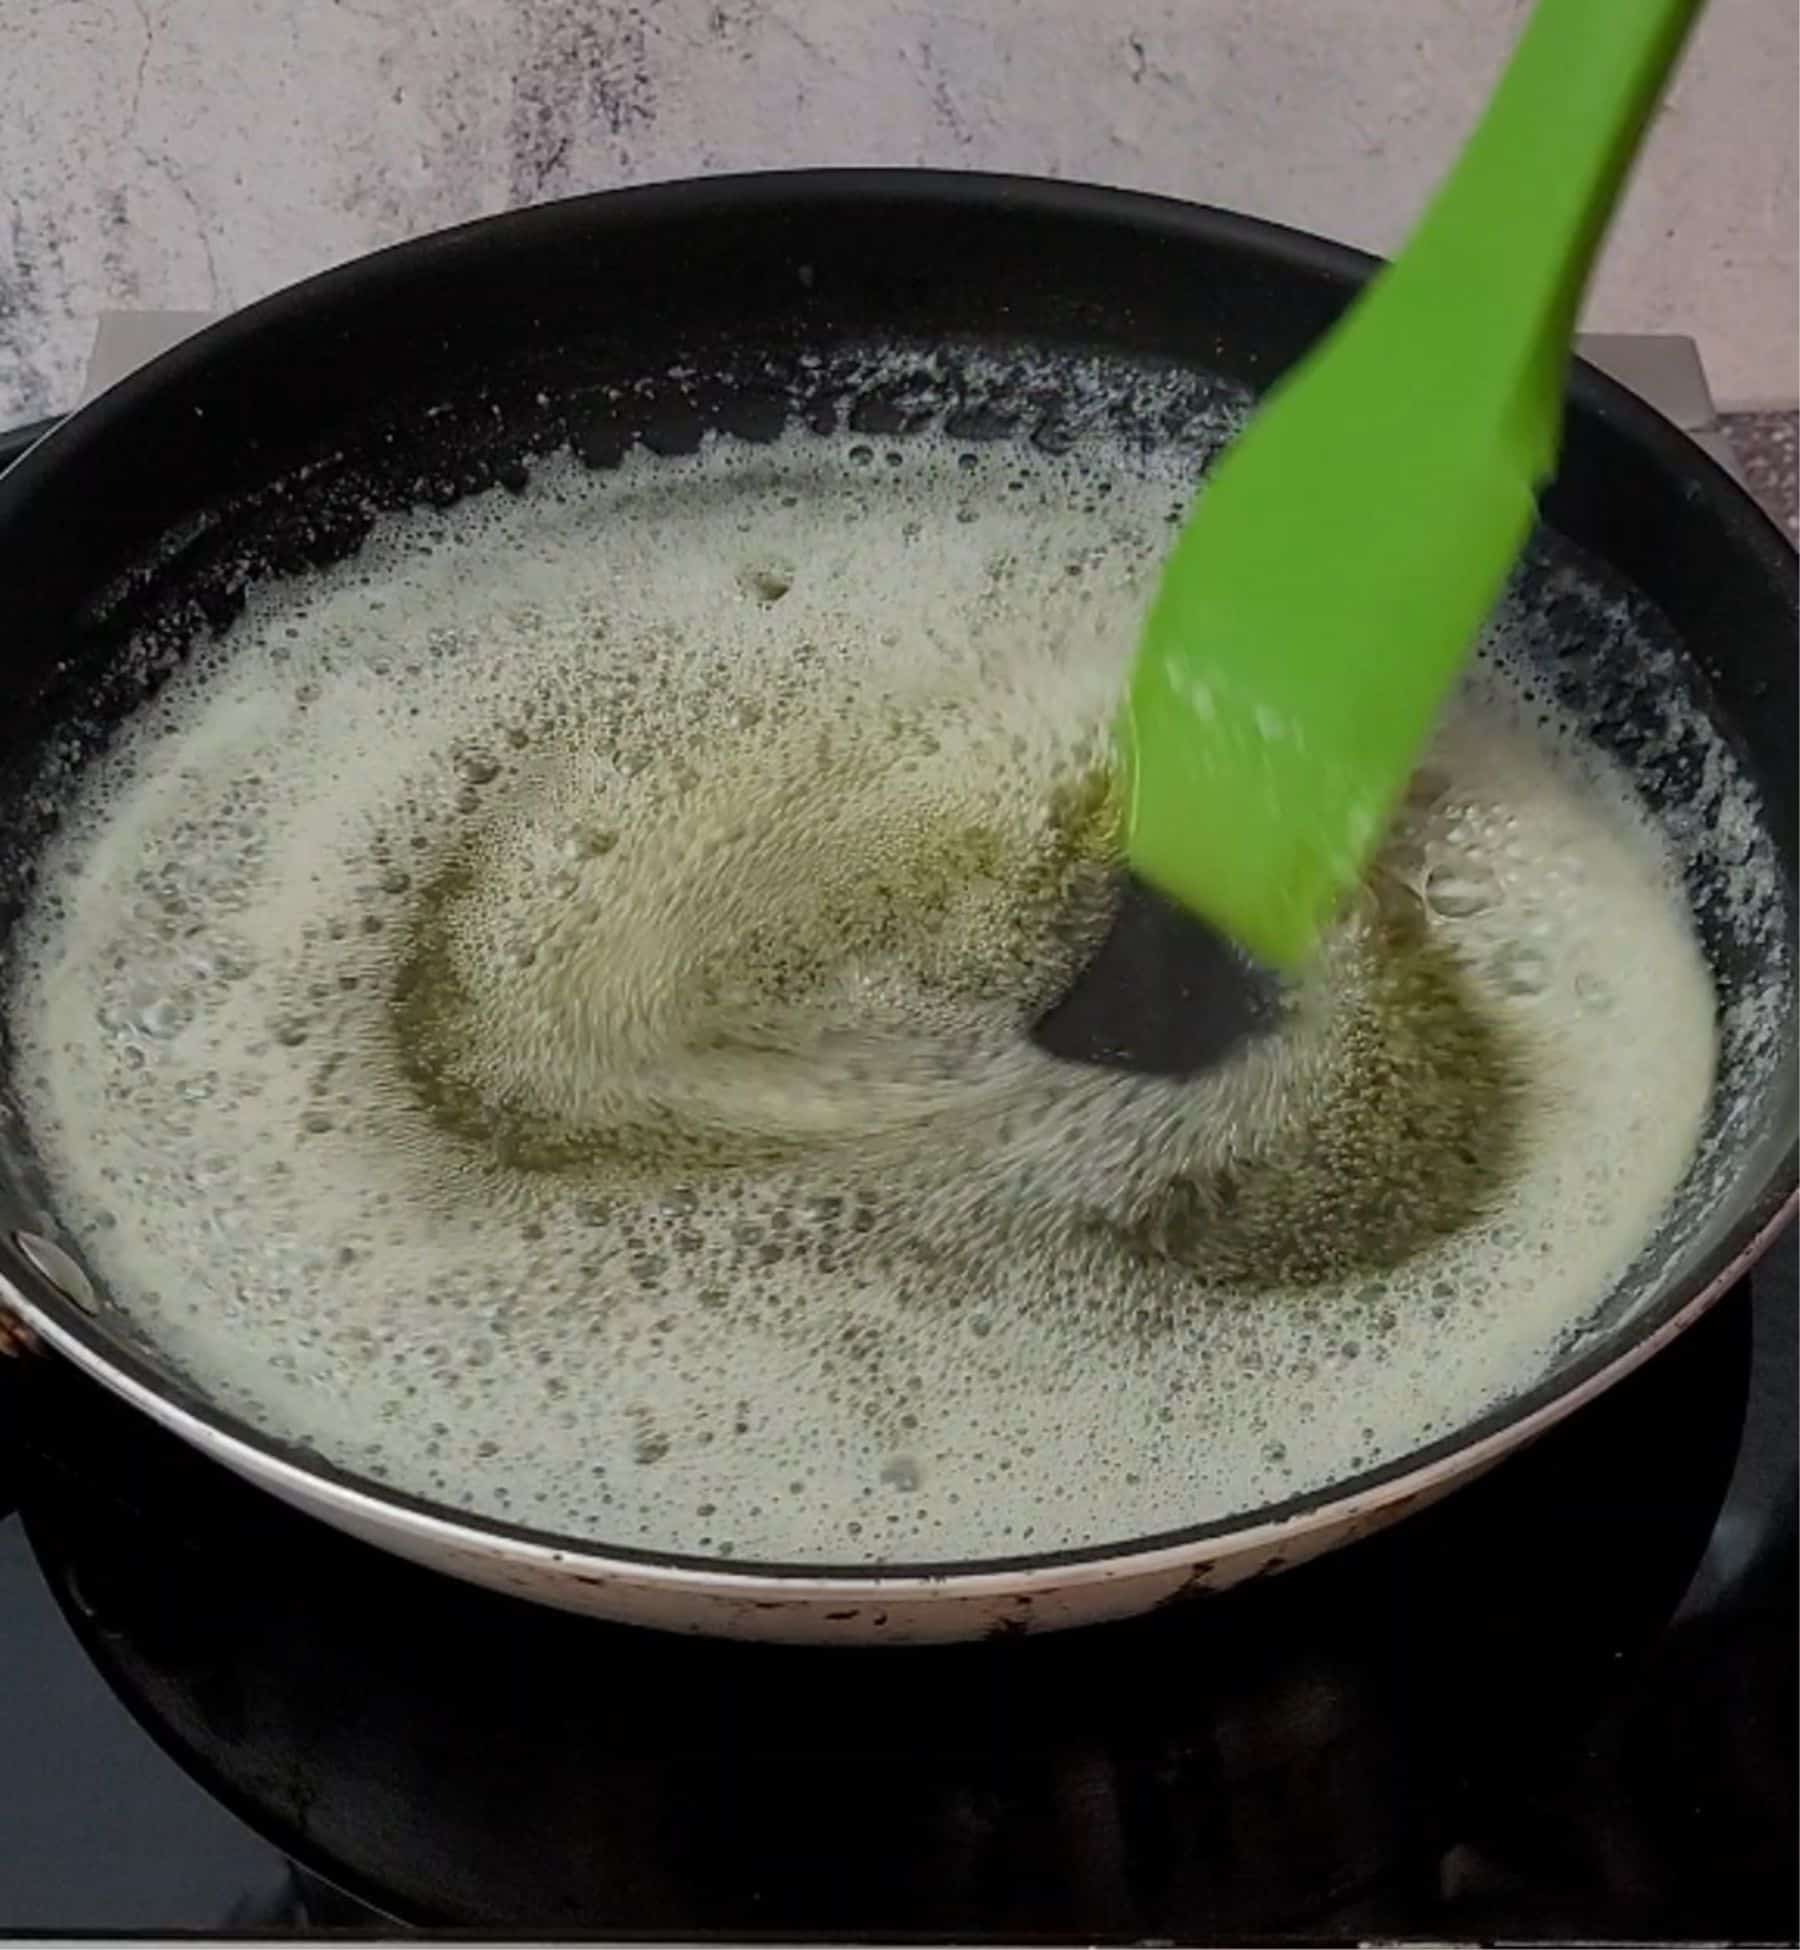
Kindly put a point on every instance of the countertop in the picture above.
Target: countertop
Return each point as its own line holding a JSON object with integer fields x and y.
{"x": 1768, "y": 449}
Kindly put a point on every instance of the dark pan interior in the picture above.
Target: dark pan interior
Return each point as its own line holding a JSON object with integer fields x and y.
{"x": 267, "y": 446}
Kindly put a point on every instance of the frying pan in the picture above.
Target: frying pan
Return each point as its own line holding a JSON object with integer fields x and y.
{"x": 267, "y": 445}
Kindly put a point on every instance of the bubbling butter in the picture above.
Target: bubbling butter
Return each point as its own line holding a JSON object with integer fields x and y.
{"x": 537, "y": 1012}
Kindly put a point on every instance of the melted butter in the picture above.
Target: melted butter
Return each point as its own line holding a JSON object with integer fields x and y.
{"x": 538, "y": 1013}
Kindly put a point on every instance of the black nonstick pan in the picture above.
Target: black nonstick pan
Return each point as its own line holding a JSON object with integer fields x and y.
{"x": 895, "y": 307}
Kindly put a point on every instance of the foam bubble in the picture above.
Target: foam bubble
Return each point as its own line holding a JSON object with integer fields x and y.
{"x": 536, "y": 1012}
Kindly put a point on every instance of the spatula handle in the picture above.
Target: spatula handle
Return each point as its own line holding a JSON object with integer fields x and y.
{"x": 1509, "y": 240}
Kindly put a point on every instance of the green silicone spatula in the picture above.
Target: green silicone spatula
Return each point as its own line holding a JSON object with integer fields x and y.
{"x": 1337, "y": 567}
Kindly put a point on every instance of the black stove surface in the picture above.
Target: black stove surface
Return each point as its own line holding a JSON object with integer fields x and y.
{"x": 1560, "y": 1705}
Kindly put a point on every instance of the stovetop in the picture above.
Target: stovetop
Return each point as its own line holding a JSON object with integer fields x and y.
{"x": 1560, "y": 1706}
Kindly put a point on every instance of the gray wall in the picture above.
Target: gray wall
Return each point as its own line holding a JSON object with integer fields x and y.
{"x": 194, "y": 154}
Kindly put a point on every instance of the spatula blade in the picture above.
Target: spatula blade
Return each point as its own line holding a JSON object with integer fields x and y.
{"x": 1166, "y": 994}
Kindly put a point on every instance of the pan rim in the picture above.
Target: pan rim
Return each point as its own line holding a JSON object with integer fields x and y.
{"x": 648, "y": 204}
{"x": 95, "y": 1348}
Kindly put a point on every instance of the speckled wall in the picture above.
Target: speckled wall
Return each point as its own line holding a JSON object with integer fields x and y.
{"x": 198, "y": 153}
